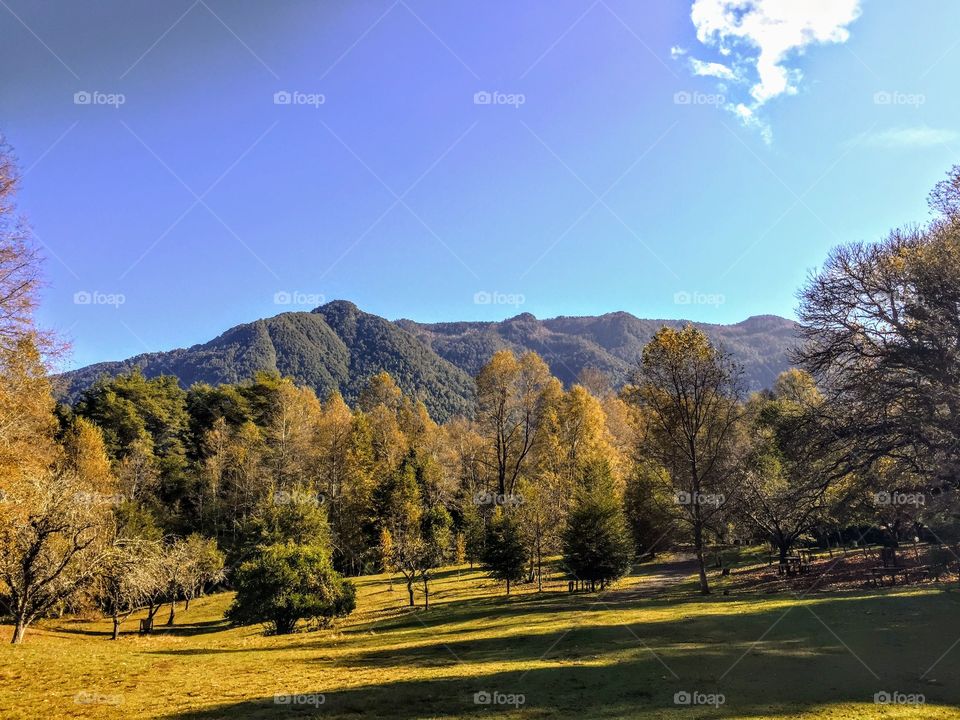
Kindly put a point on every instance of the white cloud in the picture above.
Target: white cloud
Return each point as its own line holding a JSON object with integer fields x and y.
{"x": 765, "y": 36}
{"x": 712, "y": 69}
{"x": 920, "y": 136}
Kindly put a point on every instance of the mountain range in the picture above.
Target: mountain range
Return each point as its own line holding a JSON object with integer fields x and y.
{"x": 337, "y": 346}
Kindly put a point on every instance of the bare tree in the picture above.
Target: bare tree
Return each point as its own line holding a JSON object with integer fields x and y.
{"x": 19, "y": 263}
{"x": 127, "y": 578}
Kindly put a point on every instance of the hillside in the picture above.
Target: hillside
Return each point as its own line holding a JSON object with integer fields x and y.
{"x": 337, "y": 347}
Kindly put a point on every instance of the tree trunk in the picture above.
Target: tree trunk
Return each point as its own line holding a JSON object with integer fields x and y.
{"x": 18, "y": 631}
{"x": 698, "y": 548}
{"x": 784, "y": 547}
{"x": 426, "y": 595}
{"x": 539, "y": 568}
{"x": 173, "y": 610}
{"x": 508, "y": 586}
{"x": 410, "y": 591}
{"x": 116, "y": 627}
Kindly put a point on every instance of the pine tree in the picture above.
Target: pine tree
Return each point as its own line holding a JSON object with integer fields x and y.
{"x": 597, "y": 546}
{"x": 504, "y": 554}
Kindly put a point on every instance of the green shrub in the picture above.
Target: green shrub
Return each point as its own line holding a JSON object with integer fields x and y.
{"x": 286, "y": 583}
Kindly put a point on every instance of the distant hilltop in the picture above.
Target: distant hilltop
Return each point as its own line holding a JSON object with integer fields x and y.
{"x": 337, "y": 346}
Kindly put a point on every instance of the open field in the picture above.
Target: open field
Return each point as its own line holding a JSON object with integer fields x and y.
{"x": 623, "y": 653}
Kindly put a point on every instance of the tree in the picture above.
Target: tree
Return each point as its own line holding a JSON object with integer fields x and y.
{"x": 149, "y": 417}
{"x": 688, "y": 391}
{"x": 882, "y": 338}
{"x": 596, "y": 541}
{"x": 381, "y": 389}
{"x": 127, "y": 579}
{"x": 19, "y": 262}
{"x": 175, "y": 573}
{"x": 408, "y": 507}
{"x": 436, "y": 546}
{"x": 287, "y": 583}
{"x": 509, "y": 395}
{"x": 385, "y": 548}
{"x": 505, "y": 554}
{"x": 648, "y": 502}
{"x": 52, "y": 539}
{"x": 783, "y": 490}
{"x": 294, "y": 515}
{"x": 205, "y": 566}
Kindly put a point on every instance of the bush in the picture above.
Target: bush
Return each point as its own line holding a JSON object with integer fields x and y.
{"x": 286, "y": 583}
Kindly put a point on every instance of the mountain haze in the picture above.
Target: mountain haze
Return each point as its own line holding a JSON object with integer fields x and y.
{"x": 337, "y": 347}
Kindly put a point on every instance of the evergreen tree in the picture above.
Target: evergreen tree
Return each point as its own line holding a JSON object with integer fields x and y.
{"x": 505, "y": 555}
{"x": 597, "y": 546}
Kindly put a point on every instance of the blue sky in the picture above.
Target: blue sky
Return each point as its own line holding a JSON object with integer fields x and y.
{"x": 672, "y": 159}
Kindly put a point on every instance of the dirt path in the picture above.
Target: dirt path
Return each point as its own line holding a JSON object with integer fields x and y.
{"x": 659, "y": 578}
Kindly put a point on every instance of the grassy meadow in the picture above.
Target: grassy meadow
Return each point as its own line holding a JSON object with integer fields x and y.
{"x": 624, "y": 653}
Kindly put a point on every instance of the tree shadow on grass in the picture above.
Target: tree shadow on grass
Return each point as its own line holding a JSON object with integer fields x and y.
{"x": 840, "y": 650}
{"x": 128, "y": 629}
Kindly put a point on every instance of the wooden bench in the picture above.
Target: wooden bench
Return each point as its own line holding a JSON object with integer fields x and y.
{"x": 878, "y": 573}
{"x": 790, "y": 564}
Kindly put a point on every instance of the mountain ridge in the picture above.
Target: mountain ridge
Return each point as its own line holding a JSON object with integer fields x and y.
{"x": 337, "y": 346}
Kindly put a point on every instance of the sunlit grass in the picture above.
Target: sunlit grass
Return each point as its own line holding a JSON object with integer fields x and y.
{"x": 609, "y": 655}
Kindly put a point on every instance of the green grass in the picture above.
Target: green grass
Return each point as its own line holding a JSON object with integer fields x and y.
{"x": 618, "y": 654}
